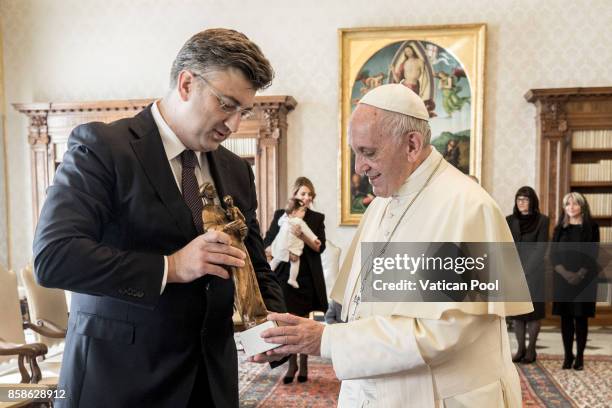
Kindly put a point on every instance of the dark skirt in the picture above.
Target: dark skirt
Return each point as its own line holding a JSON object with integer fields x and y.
{"x": 303, "y": 300}
{"x": 574, "y": 309}
{"x": 539, "y": 311}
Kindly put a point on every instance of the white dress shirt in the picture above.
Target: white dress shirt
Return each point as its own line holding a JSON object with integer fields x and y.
{"x": 173, "y": 148}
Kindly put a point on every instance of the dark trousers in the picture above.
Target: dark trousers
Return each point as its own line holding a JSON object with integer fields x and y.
{"x": 200, "y": 395}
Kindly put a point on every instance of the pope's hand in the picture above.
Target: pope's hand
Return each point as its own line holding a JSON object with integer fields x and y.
{"x": 296, "y": 334}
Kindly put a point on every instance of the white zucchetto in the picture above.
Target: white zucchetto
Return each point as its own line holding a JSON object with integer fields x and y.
{"x": 396, "y": 98}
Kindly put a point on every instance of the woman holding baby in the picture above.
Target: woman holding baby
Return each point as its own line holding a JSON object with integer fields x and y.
{"x": 309, "y": 293}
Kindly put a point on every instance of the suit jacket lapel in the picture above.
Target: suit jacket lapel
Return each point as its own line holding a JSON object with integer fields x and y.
{"x": 218, "y": 166}
{"x": 150, "y": 152}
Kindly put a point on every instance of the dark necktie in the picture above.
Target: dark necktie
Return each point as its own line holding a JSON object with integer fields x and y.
{"x": 191, "y": 191}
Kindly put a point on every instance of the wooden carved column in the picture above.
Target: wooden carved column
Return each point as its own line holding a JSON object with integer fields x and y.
{"x": 553, "y": 149}
{"x": 41, "y": 154}
{"x": 271, "y": 157}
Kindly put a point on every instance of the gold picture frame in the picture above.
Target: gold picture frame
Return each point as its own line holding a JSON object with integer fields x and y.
{"x": 444, "y": 64}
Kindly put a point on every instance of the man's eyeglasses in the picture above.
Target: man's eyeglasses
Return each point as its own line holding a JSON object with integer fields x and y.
{"x": 225, "y": 105}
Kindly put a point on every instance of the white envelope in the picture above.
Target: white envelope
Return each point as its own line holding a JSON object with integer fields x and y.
{"x": 251, "y": 341}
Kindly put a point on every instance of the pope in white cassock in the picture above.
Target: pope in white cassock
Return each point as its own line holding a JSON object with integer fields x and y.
{"x": 413, "y": 354}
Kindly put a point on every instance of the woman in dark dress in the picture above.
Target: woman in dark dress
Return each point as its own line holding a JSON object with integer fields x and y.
{"x": 311, "y": 295}
{"x": 575, "y": 266}
{"x": 529, "y": 226}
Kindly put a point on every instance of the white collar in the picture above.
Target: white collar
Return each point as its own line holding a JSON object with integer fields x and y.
{"x": 418, "y": 177}
{"x": 172, "y": 144}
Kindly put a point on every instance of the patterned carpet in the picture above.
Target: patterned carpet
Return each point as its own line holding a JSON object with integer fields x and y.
{"x": 544, "y": 384}
{"x": 262, "y": 387}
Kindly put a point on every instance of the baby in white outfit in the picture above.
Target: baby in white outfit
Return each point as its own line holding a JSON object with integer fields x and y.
{"x": 287, "y": 244}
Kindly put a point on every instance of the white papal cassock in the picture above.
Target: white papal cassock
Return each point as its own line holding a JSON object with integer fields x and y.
{"x": 426, "y": 354}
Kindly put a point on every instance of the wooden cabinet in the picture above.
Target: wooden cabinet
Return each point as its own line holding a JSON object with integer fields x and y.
{"x": 574, "y": 145}
{"x": 262, "y": 140}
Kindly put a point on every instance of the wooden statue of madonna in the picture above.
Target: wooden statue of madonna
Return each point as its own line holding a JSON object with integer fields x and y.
{"x": 248, "y": 301}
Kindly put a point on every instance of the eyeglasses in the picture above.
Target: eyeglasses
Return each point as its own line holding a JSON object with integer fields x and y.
{"x": 522, "y": 199}
{"x": 226, "y": 106}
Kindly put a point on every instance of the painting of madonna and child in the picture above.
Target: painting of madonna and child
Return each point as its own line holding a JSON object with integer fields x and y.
{"x": 440, "y": 78}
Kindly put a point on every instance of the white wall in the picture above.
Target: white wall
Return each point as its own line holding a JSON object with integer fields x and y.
{"x": 75, "y": 50}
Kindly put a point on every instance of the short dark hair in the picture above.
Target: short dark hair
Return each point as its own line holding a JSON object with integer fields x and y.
{"x": 218, "y": 49}
{"x": 293, "y": 204}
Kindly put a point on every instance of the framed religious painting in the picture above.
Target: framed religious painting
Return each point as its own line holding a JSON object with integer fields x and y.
{"x": 444, "y": 65}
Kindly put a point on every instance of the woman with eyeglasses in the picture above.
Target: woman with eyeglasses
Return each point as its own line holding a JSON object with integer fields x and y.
{"x": 574, "y": 258}
{"x": 529, "y": 229}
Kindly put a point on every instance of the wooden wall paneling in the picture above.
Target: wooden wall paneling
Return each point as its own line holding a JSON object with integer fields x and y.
{"x": 560, "y": 113}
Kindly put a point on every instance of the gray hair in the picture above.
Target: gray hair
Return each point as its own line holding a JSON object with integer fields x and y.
{"x": 581, "y": 201}
{"x": 397, "y": 125}
{"x": 219, "y": 49}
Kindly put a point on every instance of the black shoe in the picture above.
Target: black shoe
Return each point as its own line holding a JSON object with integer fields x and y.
{"x": 288, "y": 378}
{"x": 303, "y": 372}
{"x": 567, "y": 362}
{"x": 579, "y": 363}
{"x": 518, "y": 356}
{"x": 529, "y": 358}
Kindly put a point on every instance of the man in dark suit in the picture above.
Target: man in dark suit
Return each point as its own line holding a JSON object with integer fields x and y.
{"x": 151, "y": 316}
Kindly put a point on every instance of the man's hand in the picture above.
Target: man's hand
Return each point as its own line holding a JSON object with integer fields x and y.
{"x": 205, "y": 255}
{"x": 266, "y": 357}
{"x": 297, "y": 334}
{"x": 268, "y": 252}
